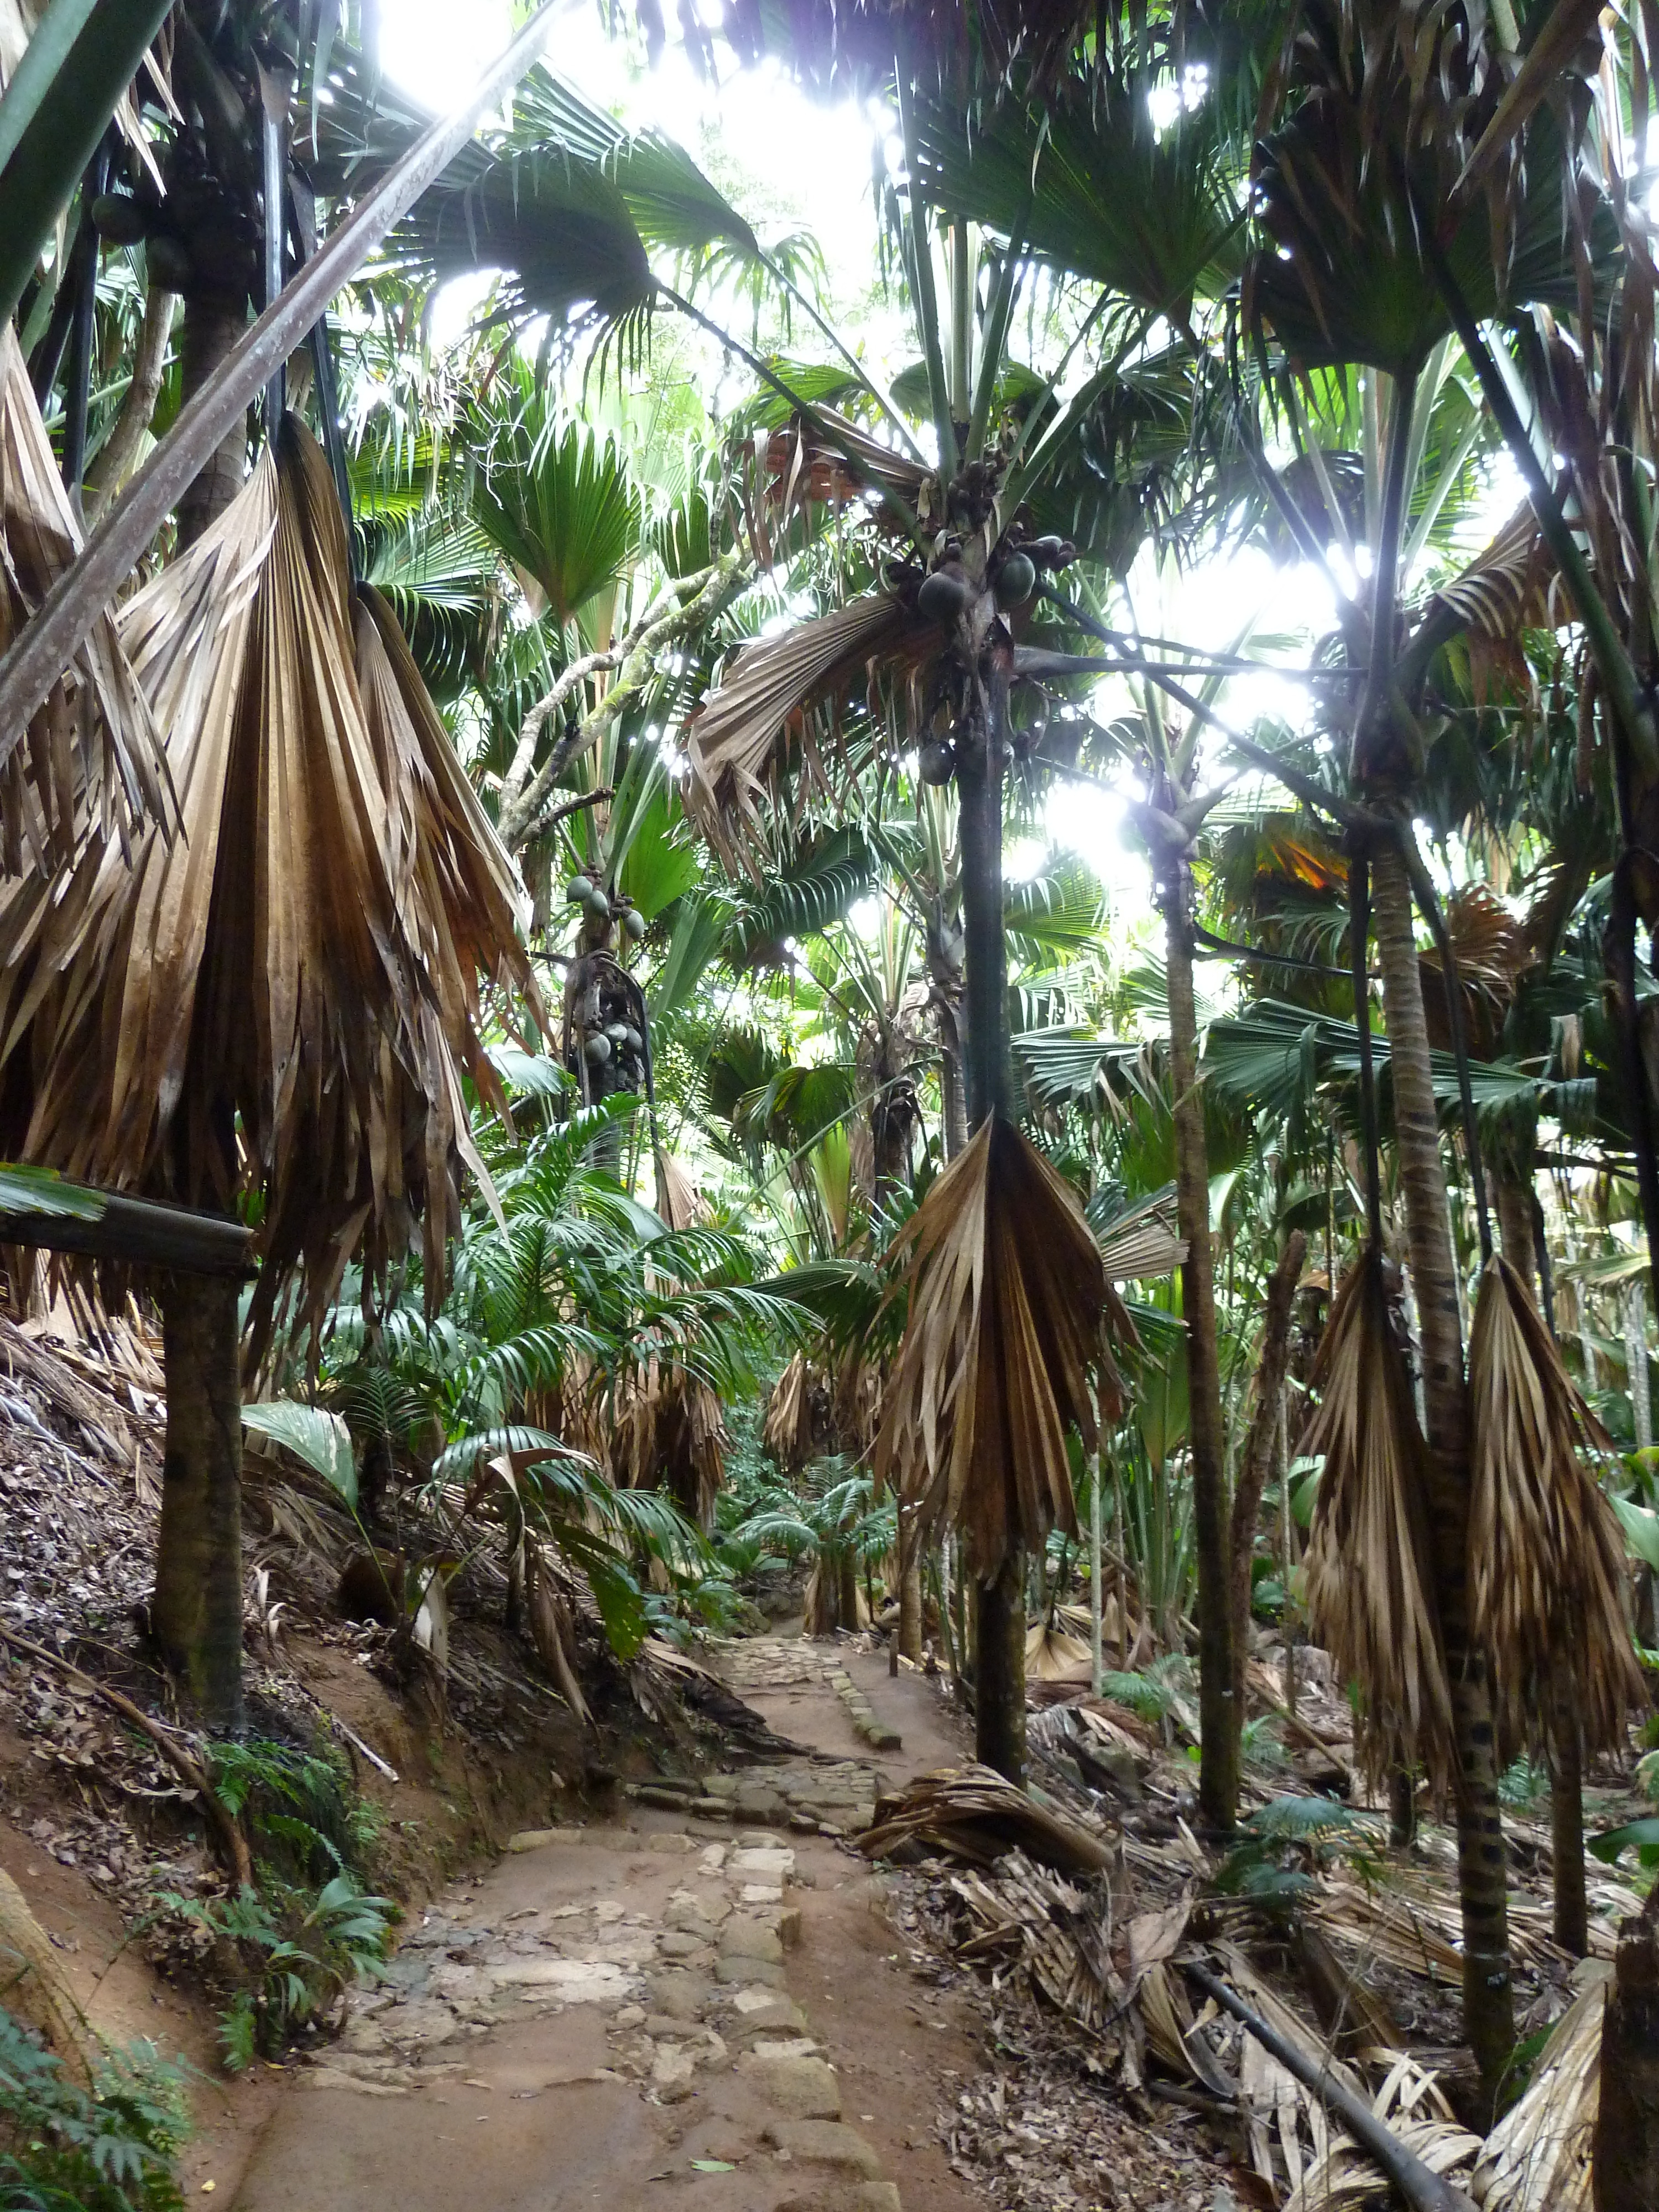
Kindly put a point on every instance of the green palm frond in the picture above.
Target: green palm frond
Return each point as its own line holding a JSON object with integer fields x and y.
{"x": 1056, "y": 912}
{"x": 555, "y": 499}
{"x": 803, "y": 892}
{"x": 1094, "y": 187}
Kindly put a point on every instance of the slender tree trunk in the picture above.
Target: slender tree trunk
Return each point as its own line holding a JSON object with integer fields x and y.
{"x": 116, "y": 456}
{"x": 1626, "y": 2159}
{"x": 846, "y": 1590}
{"x": 1096, "y": 1655}
{"x": 1258, "y": 1457}
{"x": 908, "y": 1645}
{"x": 1633, "y": 1314}
{"x": 953, "y": 1098}
{"x": 1488, "y": 2003}
{"x": 196, "y": 1612}
{"x": 1219, "y": 1704}
{"x": 1000, "y": 1653}
{"x": 1000, "y": 1671}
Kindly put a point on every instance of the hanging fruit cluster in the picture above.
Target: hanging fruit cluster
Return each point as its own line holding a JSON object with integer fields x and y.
{"x": 949, "y": 592}
{"x": 604, "y": 1018}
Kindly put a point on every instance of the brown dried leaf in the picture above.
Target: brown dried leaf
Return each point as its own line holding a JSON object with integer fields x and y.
{"x": 1370, "y": 1582}
{"x": 1546, "y": 1569}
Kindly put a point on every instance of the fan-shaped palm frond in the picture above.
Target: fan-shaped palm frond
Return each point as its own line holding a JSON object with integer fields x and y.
{"x": 1381, "y": 129}
{"x": 1093, "y": 185}
{"x": 812, "y": 887}
{"x": 92, "y": 765}
{"x": 299, "y": 966}
{"x": 769, "y": 685}
{"x": 557, "y": 501}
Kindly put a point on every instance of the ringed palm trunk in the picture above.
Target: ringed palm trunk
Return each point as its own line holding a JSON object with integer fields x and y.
{"x": 1488, "y": 2001}
{"x": 1000, "y": 1609}
{"x": 1219, "y": 1705}
{"x": 1516, "y": 1230}
{"x": 196, "y": 1612}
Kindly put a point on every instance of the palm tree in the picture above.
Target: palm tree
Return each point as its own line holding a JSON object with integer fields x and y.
{"x": 1342, "y": 179}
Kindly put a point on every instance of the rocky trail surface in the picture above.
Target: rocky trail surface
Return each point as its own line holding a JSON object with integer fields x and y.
{"x": 702, "y": 2007}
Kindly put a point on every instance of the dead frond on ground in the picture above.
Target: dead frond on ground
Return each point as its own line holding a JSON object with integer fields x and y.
{"x": 972, "y": 1814}
{"x": 1537, "y": 2158}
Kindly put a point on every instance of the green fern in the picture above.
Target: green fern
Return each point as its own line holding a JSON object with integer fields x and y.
{"x": 65, "y": 2150}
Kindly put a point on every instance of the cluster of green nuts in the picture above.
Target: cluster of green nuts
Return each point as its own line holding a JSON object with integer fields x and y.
{"x": 583, "y": 892}
{"x": 621, "y": 1038}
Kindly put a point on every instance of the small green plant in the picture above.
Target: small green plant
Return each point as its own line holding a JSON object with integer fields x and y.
{"x": 1283, "y": 1843}
{"x": 305, "y": 1819}
{"x": 1522, "y": 1785}
{"x": 64, "y": 2149}
{"x": 1157, "y": 1694}
{"x": 1259, "y": 1743}
{"x": 299, "y": 1953}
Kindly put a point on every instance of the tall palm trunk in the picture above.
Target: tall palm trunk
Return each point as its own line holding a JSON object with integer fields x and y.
{"x": 196, "y": 1612}
{"x": 1000, "y": 1612}
{"x": 1516, "y": 1230}
{"x": 1219, "y": 1704}
{"x": 1488, "y": 2003}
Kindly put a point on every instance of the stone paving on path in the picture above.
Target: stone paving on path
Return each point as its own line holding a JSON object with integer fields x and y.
{"x": 606, "y": 2012}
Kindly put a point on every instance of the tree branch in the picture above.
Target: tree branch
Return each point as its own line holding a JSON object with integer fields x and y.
{"x": 525, "y": 813}
{"x": 116, "y": 455}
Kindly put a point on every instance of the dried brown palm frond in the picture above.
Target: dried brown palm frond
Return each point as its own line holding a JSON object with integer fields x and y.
{"x": 680, "y": 1204}
{"x": 667, "y": 1433}
{"x": 283, "y": 998}
{"x": 972, "y": 1812}
{"x": 552, "y": 1623}
{"x": 732, "y": 739}
{"x": 1370, "y": 1581}
{"x": 1052, "y": 1655}
{"x": 1006, "y": 1294}
{"x": 92, "y": 764}
{"x": 833, "y": 460}
{"x": 786, "y": 1430}
{"x": 1490, "y": 952}
{"x": 1143, "y": 1243}
{"x": 1538, "y": 2158}
{"x": 1546, "y": 1562}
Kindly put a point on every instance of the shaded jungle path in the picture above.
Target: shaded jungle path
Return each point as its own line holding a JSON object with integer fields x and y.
{"x": 683, "y": 2011}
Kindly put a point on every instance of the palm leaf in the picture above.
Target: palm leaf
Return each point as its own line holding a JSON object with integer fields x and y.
{"x": 556, "y": 500}
{"x": 1368, "y": 1566}
{"x": 302, "y": 964}
{"x": 1005, "y": 1290}
{"x": 1093, "y": 186}
{"x": 92, "y": 763}
{"x": 1546, "y": 1570}
{"x": 732, "y": 739}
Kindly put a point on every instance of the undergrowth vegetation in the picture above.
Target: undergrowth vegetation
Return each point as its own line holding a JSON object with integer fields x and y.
{"x": 109, "y": 2148}
{"x": 290, "y": 1944}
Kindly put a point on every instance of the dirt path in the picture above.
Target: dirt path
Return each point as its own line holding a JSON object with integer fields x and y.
{"x": 702, "y": 2008}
